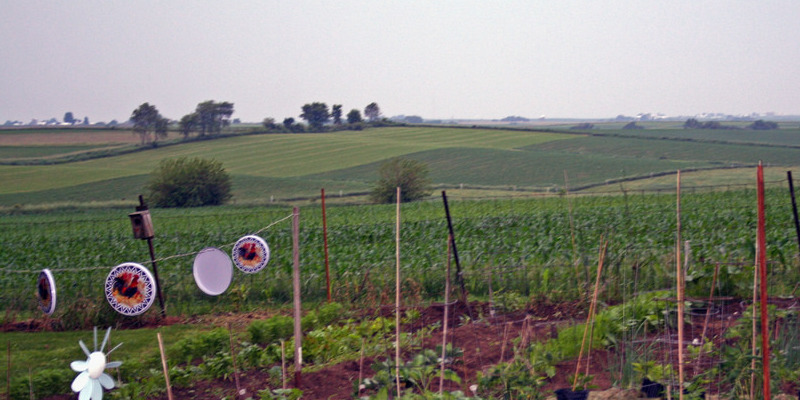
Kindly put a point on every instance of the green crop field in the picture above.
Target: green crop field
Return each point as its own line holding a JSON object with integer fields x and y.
{"x": 278, "y": 167}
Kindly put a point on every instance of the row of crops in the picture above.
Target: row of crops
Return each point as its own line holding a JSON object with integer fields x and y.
{"x": 533, "y": 247}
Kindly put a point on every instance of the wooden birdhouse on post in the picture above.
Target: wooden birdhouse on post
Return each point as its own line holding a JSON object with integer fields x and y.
{"x": 143, "y": 229}
{"x": 142, "y": 224}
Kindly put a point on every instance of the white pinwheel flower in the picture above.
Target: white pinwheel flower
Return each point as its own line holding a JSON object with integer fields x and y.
{"x": 92, "y": 378}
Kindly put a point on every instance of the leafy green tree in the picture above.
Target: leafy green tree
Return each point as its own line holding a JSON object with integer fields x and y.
{"x": 762, "y": 125}
{"x": 354, "y": 116}
{"x": 149, "y": 124}
{"x": 188, "y": 124}
{"x": 189, "y": 182}
{"x": 372, "y": 112}
{"x": 269, "y": 123}
{"x": 316, "y": 114}
{"x": 336, "y": 114}
{"x": 411, "y": 176}
{"x": 212, "y": 116}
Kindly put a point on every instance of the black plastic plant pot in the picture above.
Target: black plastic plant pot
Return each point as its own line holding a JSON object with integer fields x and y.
{"x": 567, "y": 394}
{"x": 652, "y": 389}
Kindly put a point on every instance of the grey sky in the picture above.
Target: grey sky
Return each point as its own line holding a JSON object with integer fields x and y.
{"x": 436, "y": 59}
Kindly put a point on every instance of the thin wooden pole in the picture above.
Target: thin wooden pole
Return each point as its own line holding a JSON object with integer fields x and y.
{"x": 754, "y": 340}
{"x": 679, "y": 279}
{"x": 298, "y": 332}
{"x": 325, "y": 245}
{"x": 361, "y": 368}
{"x": 446, "y": 313}
{"x": 233, "y": 359}
{"x": 592, "y": 306}
{"x": 8, "y": 369}
{"x": 397, "y": 297}
{"x": 283, "y": 364}
{"x": 572, "y": 229}
{"x": 164, "y": 365}
{"x": 762, "y": 261}
{"x": 143, "y": 207}
{"x": 708, "y": 315}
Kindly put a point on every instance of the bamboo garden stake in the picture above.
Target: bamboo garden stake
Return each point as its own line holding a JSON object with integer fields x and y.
{"x": 592, "y": 305}
{"x": 446, "y": 309}
{"x": 163, "y": 365}
{"x": 679, "y": 279}
{"x": 762, "y": 267}
{"x": 397, "y": 297}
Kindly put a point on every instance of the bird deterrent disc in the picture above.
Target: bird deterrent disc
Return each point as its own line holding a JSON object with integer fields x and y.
{"x": 213, "y": 271}
{"x": 46, "y": 291}
{"x": 250, "y": 254}
{"x": 130, "y": 289}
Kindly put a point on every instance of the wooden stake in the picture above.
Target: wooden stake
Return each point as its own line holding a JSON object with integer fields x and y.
{"x": 446, "y": 309}
{"x": 8, "y": 369}
{"x": 325, "y": 245}
{"x": 397, "y": 297}
{"x": 298, "y": 332}
{"x": 592, "y": 306}
{"x": 572, "y": 228}
{"x": 762, "y": 261}
{"x": 679, "y": 279}
{"x": 164, "y": 365}
{"x": 233, "y": 358}
{"x": 708, "y": 314}
{"x": 283, "y": 364}
{"x": 753, "y": 341}
{"x": 361, "y": 368}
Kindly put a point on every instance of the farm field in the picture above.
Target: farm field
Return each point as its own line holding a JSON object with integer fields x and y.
{"x": 528, "y": 263}
{"x": 276, "y": 167}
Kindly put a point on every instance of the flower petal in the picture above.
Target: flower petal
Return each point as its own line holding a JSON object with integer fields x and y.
{"x": 97, "y": 391}
{"x": 78, "y": 366}
{"x": 86, "y": 392}
{"x": 80, "y": 381}
{"x": 114, "y": 364}
{"x": 106, "y": 381}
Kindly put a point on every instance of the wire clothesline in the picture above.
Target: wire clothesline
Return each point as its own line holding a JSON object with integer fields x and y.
{"x": 12, "y": 271}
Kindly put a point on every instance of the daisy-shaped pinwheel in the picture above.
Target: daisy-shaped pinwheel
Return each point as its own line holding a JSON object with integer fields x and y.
{"x": 91, "y": 380}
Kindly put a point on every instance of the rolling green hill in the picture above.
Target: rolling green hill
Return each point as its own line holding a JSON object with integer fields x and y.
{"x": 286, "y": 166}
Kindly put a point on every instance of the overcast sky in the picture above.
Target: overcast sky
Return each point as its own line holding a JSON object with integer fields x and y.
{"x": 432, "y": 58}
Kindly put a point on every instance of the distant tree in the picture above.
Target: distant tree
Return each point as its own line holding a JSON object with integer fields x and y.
{"x": 69, "y": 118}
{"x": 583, "y": 126}
{"x": 372, "y": 112}
{"x": 691, "y": 123}
{"x": 149, "y": 124}
{"x": 288, "y": 123}
{"x": 336, "y": 113}
{"x": 189, "y": 182}
{"x": 354, "y": 116}
{"x": 410, "y": 176}
{"x": 269, "y": 123}
{"x": 414, "y": 119}
{"x": 212, "y": 116}
{"x": 86, "y": 120}
{"x": 189, "y": 123}
{"x": 632, "y": 125}
{"x": 316, "y": 114}
{"x": 762, "y": 125}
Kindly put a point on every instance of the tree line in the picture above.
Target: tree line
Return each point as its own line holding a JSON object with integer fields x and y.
{"x": 210, "y": 117}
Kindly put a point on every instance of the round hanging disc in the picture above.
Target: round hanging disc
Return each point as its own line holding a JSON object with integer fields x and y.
{"x": 213, "y": 271}
{"x": 46, "y": 291}
{"x": 250, "y": 254}
{"x": 130, "y": 289}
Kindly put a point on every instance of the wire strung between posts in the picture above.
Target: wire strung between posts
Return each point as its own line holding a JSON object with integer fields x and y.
{"x": 13, "y": 271}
